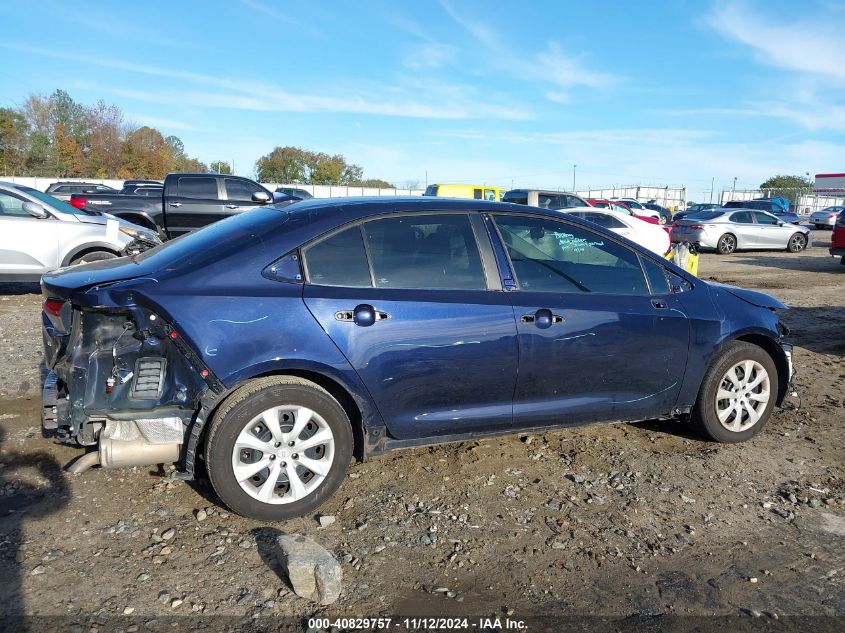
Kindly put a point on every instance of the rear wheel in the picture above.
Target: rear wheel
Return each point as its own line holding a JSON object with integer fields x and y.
{"x": 278, "y": 448}
{"x": 797, "y": 243}
{"x": 737, "y": 394}
{"x": 92, "y": 256}
{"x": 726, "y": 244}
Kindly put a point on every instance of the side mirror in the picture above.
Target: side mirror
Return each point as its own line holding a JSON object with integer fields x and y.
{"x": 261, "y": 196}
{"x": 781, "y": 223}
{"x": 35, "y": 210}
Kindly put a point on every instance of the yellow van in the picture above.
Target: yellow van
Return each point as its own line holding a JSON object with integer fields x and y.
{"x": 477, "y": 192}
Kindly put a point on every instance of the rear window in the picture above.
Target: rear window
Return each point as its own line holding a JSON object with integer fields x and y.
{"x": 704, "y": 215}
{"x": 339, "y": 260}
{"x": 431, "y": 190}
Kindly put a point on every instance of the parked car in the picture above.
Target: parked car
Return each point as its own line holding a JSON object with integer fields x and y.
{"x": 294, "y": 192}
{"x": 545, "y": 199}
{"x": 693, "y": 209}
{"x": 649, "y": 235}
{"x": 728, "y": 230}
{"x": 640, "y": 209}
{"x": 621, "y": 207}
{"x": 665, "y": 214}
{"x": 837, "y": 242}
{"x": 64, "y": 190}
{"x": 769, "y": 205}
{"x": 39, "y": 233}
{"x": 278, "y": 343}
{"x": 476, "y": 192}
{"x": 826, "y": 218}
{"x": 186, "y": 202}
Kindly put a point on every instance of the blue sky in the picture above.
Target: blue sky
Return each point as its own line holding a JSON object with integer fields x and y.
{"x": 674, "y": 92}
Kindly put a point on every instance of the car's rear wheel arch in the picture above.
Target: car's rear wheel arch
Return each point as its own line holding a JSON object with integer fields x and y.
{"x": 136, "y": 218}
{"x": 335, "y": 389}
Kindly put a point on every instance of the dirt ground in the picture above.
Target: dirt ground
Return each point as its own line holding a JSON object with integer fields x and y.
{"x": 615, "y": 520}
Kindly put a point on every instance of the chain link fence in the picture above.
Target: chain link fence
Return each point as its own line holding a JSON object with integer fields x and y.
{"x": 673, "y": 198}
{"x": 802, "y": 201}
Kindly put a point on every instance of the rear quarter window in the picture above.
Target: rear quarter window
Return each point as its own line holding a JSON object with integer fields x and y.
{"x": 338, "y": 260}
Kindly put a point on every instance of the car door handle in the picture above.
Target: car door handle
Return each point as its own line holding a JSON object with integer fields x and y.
{"x": 659, "y": 304}
{"x": 364, "y": 315}
{"x": 232, "y": 206}
{"x": 543, "y": 318}
{"x": 175, "y": 204}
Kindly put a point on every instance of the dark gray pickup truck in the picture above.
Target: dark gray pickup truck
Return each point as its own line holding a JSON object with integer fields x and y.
{"x": 187, "y": 202}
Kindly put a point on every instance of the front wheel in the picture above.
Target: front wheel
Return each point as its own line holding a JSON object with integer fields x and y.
{"x": 92, "y": 256}
{"x": 727, "y": 244}
{"x": 737, "y": 395}
{"x": 278, "y": 448}
{"x": 797, "y": 243}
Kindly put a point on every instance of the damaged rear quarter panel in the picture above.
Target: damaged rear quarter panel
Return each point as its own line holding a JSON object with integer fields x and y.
{"x": 254, "y": 328}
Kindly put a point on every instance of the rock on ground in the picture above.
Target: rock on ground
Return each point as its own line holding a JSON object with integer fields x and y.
{"x": 313, "y": 571}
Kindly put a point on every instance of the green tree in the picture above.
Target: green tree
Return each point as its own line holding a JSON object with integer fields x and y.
{"x": 789, "y": 187}
{"x": 220, "y": 167}
{"x": 376, "y": 183}
{"x": 13, "y": 136}
{"x": 283, "y": 164}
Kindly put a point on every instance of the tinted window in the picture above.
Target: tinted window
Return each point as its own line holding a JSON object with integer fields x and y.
{"x": 62, "y": 189}
{"x": 704, "y": 215}
{"x": 656, "y": 275}
{"x": 765, "y": 218}
{"x": 339, "y": 260}
{"x": 425, "y": 251}
{"x": 431, "y": 190}
{"x": 546, "y": 201}
{"x": 205, "y": 188}
{"x": 517, "y": 197}
{"x": 552, "y": 256}
{"x": 490, "y": 194}
{"x": 742, "y": 217}
{"x": 237, "y": 189}
{"x": 476, "y": 193}
{"x": 602, "y": 219}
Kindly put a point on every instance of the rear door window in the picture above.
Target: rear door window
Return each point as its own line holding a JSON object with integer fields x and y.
{"x": 742, "y": 217}
{"x": 476, "y": 193}
{"x": 425, "y": 251}
{"x": 202, "y": 188}
{"x": 765, "y": 218}
{"x": 338, "y": 260}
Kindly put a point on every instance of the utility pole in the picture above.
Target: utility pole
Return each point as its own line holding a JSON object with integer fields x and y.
{"x": 712, "y": 184}
{"x": 573, "y": 177}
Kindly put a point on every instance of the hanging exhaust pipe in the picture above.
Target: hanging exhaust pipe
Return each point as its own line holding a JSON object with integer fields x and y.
{"x": 84, "y": 463}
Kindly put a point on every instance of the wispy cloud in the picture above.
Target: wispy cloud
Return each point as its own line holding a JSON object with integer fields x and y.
{"x": 444, "y": 101}
{"x": 549, "y": 67}
{"x": 283, "y": 16}
{"x": 154, "y": 121}
{"x": 429, "y": 55}
{"x": 814, "y": 46}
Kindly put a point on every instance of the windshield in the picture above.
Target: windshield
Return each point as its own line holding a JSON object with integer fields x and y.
{"x": 54, "y": 203}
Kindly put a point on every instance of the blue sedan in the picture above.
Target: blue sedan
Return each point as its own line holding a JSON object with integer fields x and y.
{"x": 279, "y": 343}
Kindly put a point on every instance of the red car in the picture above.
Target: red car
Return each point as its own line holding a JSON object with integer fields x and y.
{"x": 601, "y": 203}
{"x": 837, "y": 242}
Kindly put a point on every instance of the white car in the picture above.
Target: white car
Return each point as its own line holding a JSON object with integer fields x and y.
{"x": 639, "y": 209}
{"x": 650, "y": 236}
{"x": 39, "y": 233}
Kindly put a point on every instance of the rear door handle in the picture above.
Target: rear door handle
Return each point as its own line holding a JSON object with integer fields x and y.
{"x": 175, "y": 204}
{"x": 659, "y": 304}
{"x": 364, "y": 315}
{"x": 542, "y": 318}
{"x": 231, "y": 206}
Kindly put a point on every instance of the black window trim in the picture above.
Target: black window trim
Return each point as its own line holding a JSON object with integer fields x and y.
{"x": 492, "y": 277}
{"x": 565, "y": 221}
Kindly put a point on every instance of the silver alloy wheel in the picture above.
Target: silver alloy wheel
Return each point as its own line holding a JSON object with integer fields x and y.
{"x": 727, "y": 244}
{"x": 797, "y": 242}
{"x": 283, "y": 454}
{"x": 743, "y": 394}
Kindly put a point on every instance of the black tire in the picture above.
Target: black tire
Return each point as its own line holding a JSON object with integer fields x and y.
{"x": 92, "y": 256}
{"x": 797, "y": 243}
{"x": 726, "y": 244}
{"x": 249, "y": 401}
{"x": 704, "y": 413}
